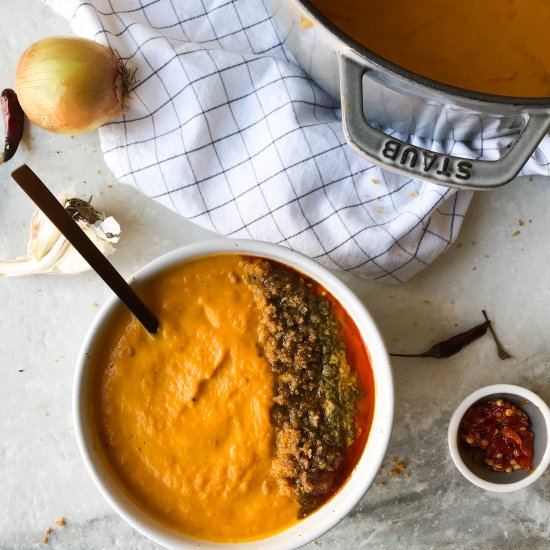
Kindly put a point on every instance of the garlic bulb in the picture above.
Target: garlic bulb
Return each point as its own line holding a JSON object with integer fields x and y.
{"x": 48, "y": 251}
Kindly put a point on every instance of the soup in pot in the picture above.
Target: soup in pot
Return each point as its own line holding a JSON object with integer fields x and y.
{"x": 492, "y": 46}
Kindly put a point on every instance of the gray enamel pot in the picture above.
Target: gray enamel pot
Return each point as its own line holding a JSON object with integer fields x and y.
{"x": 377, "y": 95}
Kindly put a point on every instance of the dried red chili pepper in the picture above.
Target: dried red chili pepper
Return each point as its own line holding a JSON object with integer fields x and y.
{"x": 453, "y": 345}
{"x": 502, "y": 353}
{"x": 14, "y": 120}
{"x": 498, "y": 433}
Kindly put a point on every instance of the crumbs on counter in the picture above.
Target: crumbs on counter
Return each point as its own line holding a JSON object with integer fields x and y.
{"x": 94, "y": 304}
{"x": 516, "y": 233}
{"x": 398, "y": 466}
{"x": 60, "y": 522}
{"x": 395, "y": 469}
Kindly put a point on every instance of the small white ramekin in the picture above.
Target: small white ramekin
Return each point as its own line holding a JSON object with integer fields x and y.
{"x": 330, "y": 513}
{"x": 539, "y": 416}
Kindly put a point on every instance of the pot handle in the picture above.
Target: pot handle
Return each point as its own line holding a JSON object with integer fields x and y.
{"x": 397, "y": 155}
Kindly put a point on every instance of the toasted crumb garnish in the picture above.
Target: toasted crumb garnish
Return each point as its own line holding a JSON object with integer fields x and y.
{"x": 49, "y": 531}
{"x": 44, "y": 540}
{"x": 60, "y": 522}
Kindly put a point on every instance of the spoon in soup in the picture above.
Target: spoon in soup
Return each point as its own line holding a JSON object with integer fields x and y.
{"x": 33, "y": 186}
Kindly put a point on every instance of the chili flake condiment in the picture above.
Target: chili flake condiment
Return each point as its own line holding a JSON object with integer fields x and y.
{"x": 499, "y": 435}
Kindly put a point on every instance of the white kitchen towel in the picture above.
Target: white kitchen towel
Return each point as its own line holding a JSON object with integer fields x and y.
{"x": 225, "y": 129}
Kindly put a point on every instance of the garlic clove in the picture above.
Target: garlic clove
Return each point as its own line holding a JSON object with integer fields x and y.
{"x": 43, "y": 235}
{"x": 71, "y": 262}
{"x": 49, "y": 252}
{"x": 30, "y": 265}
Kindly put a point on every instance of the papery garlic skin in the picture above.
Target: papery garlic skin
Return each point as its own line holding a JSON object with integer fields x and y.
{"x": 29, "y": 265}
{"x": 43, "y": 233}
{"x": 71, "y": 262}
{"x": 48, "y": 252}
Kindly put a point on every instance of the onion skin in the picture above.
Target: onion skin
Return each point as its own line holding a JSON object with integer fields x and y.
{"x": 70, "y": 85}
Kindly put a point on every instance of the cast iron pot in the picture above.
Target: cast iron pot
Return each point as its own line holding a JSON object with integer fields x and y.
{"x": 378, "y": 95}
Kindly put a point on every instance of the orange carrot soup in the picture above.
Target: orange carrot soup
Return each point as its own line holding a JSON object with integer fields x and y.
{"x": 249, "y": 408}
{"x": 493, "y": 46}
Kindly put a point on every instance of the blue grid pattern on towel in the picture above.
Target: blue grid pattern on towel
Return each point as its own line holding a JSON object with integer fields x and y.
{"x": 225, "y": 129}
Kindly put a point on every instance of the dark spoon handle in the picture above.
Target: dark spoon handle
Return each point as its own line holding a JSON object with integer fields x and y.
{"x": 54, "y": 210}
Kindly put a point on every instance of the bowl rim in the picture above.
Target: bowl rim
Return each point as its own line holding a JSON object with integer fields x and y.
{"x": 452, "y": 436}
{"x": 359, "y": 480}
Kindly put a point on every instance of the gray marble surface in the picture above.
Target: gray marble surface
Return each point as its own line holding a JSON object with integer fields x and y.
{"x": 429, "y": 505}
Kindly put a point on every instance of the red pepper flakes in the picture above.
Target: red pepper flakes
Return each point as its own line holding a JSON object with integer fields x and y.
{"x": 499, "y": 435}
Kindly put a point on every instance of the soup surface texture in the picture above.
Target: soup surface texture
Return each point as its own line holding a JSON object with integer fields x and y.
{"x": 493, "y": 46}
{"x": 212, "y": 426}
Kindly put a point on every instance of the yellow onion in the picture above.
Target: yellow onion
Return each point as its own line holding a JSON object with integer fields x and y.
{"x": 70, "y": 85}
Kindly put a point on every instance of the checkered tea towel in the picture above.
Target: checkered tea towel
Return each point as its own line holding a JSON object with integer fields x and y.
{"x": 225, "y": 129}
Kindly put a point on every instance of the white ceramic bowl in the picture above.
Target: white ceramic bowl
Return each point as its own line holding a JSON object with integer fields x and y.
{"x": 330, "y": 513}
{"x": 539, "y": 417}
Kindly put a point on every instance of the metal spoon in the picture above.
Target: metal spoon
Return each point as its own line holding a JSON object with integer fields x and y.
{"x": 54, "y": 210}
